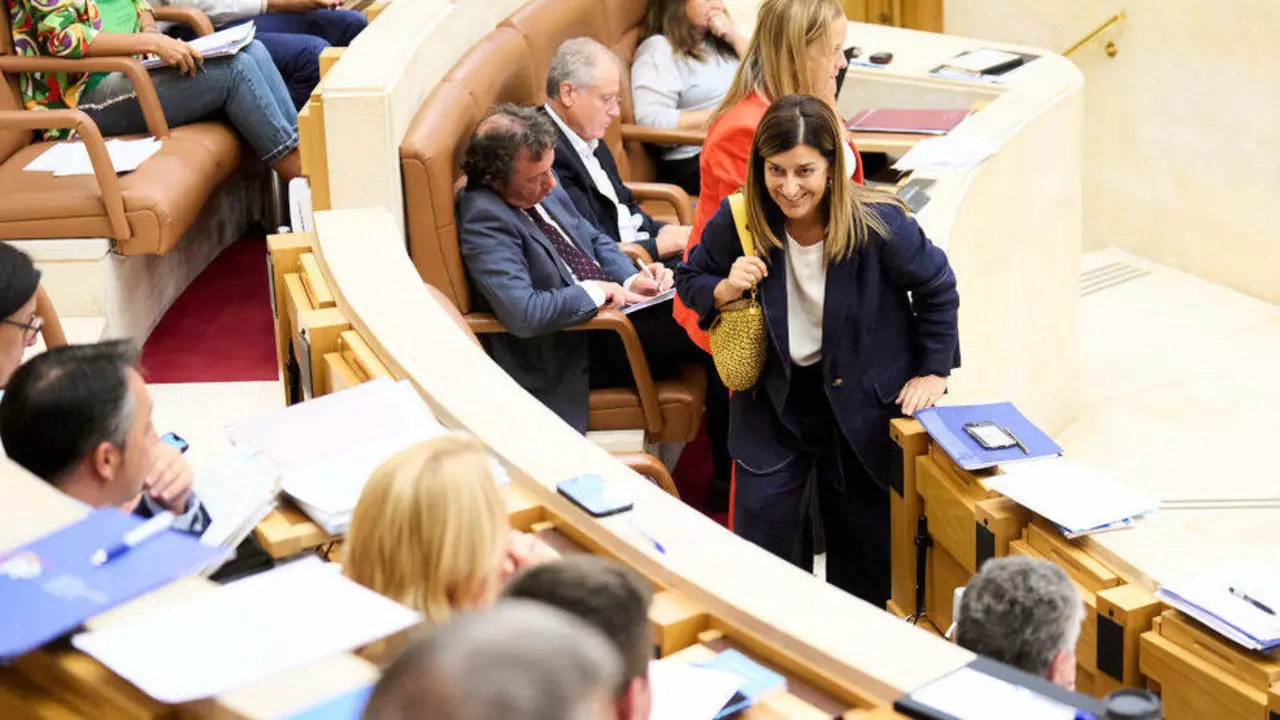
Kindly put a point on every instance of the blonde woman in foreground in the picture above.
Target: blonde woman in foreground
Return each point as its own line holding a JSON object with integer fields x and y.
{"x": 431, "y": 532}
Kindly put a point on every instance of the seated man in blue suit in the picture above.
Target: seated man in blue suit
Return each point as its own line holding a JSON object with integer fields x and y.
{"x": 540, "y": 267}
{"x": 79, "y": 417}
{"x": 584, "y": 83}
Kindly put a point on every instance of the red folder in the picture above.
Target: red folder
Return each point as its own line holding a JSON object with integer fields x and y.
{"x": 922, "y": 122}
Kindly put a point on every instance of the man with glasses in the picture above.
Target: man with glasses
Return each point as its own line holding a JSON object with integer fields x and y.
{"x": 19, "y": 280}
{"x": 583, "y": 90}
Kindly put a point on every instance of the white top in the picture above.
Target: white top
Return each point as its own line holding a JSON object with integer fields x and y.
{"x": 221, "y": 12}
{"x": 806, "y": 288}
{"x": 628, "y": 222}
{"x": 664, "y": 84}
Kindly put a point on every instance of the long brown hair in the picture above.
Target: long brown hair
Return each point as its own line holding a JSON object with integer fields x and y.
{"x": 777, "y": 59}
{"x": 668, "y": 18}
{"x": 797, "y": 120}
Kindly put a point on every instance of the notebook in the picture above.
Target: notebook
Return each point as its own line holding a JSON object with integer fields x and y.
{"x": 227, "y": 41}
{"x": 920, "y": 122}
{"x": 946, "y": 425}
{"x": 1238, "y": 600}
{"x": 246, "y": 632}
{"x": 49, "y": 587}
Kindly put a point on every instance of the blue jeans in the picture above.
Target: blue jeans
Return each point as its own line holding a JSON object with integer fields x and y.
{"x": 295, "y": 41}
{"x": 246, "y": 87}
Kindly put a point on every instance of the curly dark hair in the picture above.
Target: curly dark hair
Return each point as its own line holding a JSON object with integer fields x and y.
{"x": 498, "y": 139}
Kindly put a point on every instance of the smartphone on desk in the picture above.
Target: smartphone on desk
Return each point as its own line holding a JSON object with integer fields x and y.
{"x": 989, "y": 435}
{"x": 596, "y": 496}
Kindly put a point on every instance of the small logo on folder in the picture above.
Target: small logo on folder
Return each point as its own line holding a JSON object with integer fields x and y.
{"x": 21, "y": 565}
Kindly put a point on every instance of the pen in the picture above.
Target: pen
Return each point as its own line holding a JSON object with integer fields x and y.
{"x": 133, "y": 538}
{"x": 1243, "y": 596}
{"x": 1021, "y": 447}
{"x": 652, "y": 540}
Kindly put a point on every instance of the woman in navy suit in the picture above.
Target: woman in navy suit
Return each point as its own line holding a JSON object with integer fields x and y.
{"x": 861, "y": 313}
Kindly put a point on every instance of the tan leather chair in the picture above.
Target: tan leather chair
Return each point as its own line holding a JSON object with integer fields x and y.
{"x": 144, "y": 212}
{"x": 51, "y": 331}
{"x": 497, "y": 70}
{"x": 643, "y": 463}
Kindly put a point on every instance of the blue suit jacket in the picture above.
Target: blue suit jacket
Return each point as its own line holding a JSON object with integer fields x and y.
{"x": 875, "y": 336}
{"x": 516, "y": 274}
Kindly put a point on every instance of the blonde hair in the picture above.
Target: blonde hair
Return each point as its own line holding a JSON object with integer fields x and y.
{"x": 430, "y": 528}
{"x": 776, "y": 61}
{"x": 805, "y": 120}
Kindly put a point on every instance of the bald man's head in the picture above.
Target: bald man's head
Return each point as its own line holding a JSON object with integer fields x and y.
{"x": 512, "y": 151}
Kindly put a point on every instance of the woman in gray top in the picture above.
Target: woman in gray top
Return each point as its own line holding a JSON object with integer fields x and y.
{"x": 681, "y": 72}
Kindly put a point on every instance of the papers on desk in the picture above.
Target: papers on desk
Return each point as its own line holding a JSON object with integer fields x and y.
{"x": 246, "y": 632}
{"x": 947, "y": 152}
{"x": 687, "y": 692}
{"x": 238, "y": 490}
{"x": 655, "y": 300}
{"x": 328, "y": 447}
{"x": 228, "y": 41}
{"x": 969, "y": 694}
{"x": 72, "y": 158}
{"x": 1241, "y": 616}
{"x": 984, "y": 65}
{"x": 1079, "y": 500}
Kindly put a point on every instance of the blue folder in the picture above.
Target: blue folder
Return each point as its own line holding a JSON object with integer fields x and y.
{"x": 50, "y": 587}
{"x": 349, "y": 706}
{"x": 946, "y": 426}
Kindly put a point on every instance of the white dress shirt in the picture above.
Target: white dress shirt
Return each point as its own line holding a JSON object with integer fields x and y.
{"x": 806, "y": 290}
{"x": 628, "y": 222}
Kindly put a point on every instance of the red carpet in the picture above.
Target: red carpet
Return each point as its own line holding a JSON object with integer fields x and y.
{"x": 692, "y": 474}
{"x": 219, "y": 329}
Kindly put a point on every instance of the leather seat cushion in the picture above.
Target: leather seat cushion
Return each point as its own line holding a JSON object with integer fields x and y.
{"x": 162, "y": 198}
{"x": 680, "y": 399}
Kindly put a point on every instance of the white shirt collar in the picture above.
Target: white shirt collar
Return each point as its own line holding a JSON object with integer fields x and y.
{"x": 582, "y": 147}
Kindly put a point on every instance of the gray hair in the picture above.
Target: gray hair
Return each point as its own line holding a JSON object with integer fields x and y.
{"x": 1021, "y": 611}
{"x": 576, "y": 62}
{"x": 520, "y": 661}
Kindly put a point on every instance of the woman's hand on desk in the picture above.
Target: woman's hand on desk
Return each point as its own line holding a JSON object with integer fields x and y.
{"x": 526, "y": 550}
{"x": 744, "y": 275}
{"x": 920, "y": 393}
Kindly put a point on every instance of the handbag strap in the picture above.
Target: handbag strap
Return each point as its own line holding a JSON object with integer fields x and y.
{"x": 738, "y": 204}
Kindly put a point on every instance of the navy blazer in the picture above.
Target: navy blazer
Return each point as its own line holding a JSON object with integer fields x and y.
{"x": 587, "y": 198}
{"x": 516, "y": 274}
{"x": 875, "y": 337}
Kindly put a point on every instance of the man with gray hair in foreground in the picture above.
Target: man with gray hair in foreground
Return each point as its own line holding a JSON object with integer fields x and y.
{"x": 1026, "y": 613}
{"x": 520, "y": 661}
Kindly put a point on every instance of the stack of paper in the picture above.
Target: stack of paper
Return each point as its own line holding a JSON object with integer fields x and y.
{"x": 225, "y": 42}
{"x": 687, "y": 692}
{"x": 947, "y": 152}
{"x": 246, "y": 632}
{"x": 969, "y": 694}
{"x": 328, "y": 447}
{"x": 1076, "y": 498}
{"x": 1238, "y": 600}
{"x": 72, "y": 158}
{"x": 238, "y": 490}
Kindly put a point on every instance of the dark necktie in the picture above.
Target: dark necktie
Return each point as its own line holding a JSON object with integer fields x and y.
{"x": 580, "y": 263}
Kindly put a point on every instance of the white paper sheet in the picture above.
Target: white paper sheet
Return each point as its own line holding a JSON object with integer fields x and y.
{"x": 971, "y": 695}
{"x": 1069, "y": 494}
{"x": 687, "y": 692}
{"x": 227, "y": 41}
{"x": 661, "y": 297}
{"x": 72, "y": 158}
{"x": 1207, "y": 597}
{"x": 239, "y": 490}
{"x": 948, "y": 152}
{"x": 246, "y": 632}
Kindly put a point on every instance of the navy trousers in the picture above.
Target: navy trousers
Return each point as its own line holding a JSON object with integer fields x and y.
{"x": 772, "y": 505}
{"x": 295, "y": 41}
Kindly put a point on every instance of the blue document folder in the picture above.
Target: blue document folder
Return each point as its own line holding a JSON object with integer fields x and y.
{"x": 349, "y": 706}
{"x": 946, "y": 426}
{"x": 50, "y": 587}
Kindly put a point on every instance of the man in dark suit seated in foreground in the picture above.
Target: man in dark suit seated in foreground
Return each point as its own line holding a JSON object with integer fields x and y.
{"x": 583, "y": 89}
{"x": 540, "y": 267}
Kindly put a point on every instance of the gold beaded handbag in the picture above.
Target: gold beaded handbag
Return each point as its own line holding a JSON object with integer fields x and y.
{"x": 738, "y": 335}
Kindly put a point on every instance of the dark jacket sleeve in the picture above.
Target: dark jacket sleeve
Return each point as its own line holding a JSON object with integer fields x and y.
{"x": 489, "y": 240}
{"x": 708, "y": 264}
{"x": 912, "y": 263}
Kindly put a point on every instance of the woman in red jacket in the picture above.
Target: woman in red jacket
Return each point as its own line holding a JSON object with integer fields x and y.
{"x": 797, "y": 49}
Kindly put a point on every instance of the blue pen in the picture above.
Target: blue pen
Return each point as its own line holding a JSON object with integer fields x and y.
{"x": 652, "y": 540}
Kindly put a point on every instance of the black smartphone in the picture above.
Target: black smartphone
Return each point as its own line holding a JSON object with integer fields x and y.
{"x": 989, "y": 435}
{"x": 593, "y": 494}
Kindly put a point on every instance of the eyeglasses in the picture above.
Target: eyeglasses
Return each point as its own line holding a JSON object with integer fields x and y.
{"x": 31, "y": 329}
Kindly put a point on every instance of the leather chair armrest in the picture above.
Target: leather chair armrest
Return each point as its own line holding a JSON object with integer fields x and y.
{"x": 637, "y": 253}
{"x": 665, "y": 192}
{"x": 662, "y": 136}
{"x": 652, "y": 468}
{"x": 132, "y": 69}
{"x": 108, "y": 183}
{"x": 614, "y": 321}
{"x": 191, "y": 17}
{"x": 52, "y": 330}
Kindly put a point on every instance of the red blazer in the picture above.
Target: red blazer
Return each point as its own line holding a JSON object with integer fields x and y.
{"x": 724, "y": 172}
